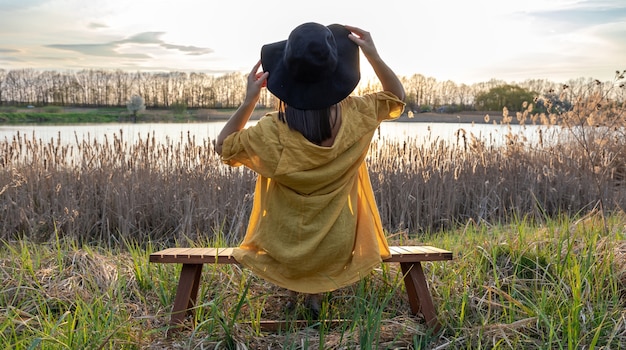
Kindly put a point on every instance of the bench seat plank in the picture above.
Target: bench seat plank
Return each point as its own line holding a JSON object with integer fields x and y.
{"x": 194, "y": 256}
{"x": 225, "y": 255}
{"x": 417, "y": 253}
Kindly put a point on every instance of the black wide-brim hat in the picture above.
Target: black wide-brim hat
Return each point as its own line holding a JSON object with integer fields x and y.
{"x": 315, "y": 68}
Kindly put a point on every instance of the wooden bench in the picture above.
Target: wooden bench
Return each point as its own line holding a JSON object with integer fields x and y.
{"x": 409, "y": 257}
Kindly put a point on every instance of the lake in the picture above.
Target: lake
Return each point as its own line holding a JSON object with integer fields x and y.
{"x": 420, "y": 131}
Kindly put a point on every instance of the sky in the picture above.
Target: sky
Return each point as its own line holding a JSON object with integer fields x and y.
{"x": 458, "y": 40}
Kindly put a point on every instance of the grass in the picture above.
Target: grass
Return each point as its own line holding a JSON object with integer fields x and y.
{"x": 561, "y": 285}
{"x": 64, "y": 115}
{"x": 59, "y": 115}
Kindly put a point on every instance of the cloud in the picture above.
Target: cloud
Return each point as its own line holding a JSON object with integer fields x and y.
{"x": 584, "y": 37}
{"x": 10, "y": 59}
{"x": 94, "y": 25}
{"x": 146, "y": 38}
{"x": 8, "y": 50}
{"x": 154, "y": 38}
{"x": 190, "y": 50}
{"x": 104, "y": 50}
{"x": 585, "y": 14}
{"x": 8, "y": 5}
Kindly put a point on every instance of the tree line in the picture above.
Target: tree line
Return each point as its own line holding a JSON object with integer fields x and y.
{"x": 115, "y": 88}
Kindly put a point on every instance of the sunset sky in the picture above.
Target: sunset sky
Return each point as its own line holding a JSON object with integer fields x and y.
{"x": 458, "y": 40}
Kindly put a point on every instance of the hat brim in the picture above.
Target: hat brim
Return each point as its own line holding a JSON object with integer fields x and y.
{"x": 320, "y": 94}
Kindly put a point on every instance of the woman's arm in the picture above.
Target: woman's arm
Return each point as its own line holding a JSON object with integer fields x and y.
{"x": 387, "y": 77}
{"x": 256, "y": 81}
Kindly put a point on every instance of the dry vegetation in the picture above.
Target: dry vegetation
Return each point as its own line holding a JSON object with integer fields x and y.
{"x": 79, "y": 220}
{"x": 105, "y": 191}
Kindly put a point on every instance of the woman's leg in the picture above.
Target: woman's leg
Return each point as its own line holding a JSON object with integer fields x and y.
{"x": 292, "y": 302}
{"x": 313, "y": 303}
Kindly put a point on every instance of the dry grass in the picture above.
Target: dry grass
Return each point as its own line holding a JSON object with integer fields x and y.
{"x": 111, "y": 190}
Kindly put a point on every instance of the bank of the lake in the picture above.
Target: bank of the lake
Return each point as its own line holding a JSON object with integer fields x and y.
{"x": 79, "y": 115}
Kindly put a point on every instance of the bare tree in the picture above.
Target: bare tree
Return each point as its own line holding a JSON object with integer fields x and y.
{"x": 3, "y": 74}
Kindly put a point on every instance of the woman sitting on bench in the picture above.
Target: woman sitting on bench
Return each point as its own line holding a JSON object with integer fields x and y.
{"x": 314, "y": 225}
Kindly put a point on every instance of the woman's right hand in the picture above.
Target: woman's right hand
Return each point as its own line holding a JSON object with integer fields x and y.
{"x": 364, "y": 40}
{"x": 387, "y": 77}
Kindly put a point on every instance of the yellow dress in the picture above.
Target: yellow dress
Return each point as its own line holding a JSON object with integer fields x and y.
{"x": 314, "y": 225}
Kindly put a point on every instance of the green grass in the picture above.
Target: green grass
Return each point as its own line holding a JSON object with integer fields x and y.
{"x": 561, "y": 285}
{"x": 52, "y": 118}
{"x": 61, "y": 115}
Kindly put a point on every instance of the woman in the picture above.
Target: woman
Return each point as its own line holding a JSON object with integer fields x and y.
{"x": 314, "y": 225}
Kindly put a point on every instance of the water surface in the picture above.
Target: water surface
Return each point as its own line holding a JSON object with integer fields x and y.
{"x": 422, "y": 132}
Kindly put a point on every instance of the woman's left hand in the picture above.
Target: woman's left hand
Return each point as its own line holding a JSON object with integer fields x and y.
{"x": 256, "y": 81}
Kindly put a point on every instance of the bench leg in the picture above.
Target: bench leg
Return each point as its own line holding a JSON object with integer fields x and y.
{"x": 186, "y": 293}
{"x": 419, "y": 294}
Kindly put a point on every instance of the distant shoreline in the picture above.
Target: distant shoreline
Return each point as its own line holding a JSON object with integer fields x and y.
{"x": 82, "y": 114}
{"x": 461, "y": 117}
{"x": 427, "y": 117}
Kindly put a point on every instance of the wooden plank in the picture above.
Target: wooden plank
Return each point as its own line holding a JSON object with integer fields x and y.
{"x": 434, "y": 250}
{"x": 174, "y": 251}
{"x": 421, "y": 250}
{"x": 194, "y": 256}
{"x": 418, "y": 250}
{"x": 424, "y": 249}
{"x": 417, "y": 253}
{"x": 438, "y": 250}
{"x": 395, "y": 250}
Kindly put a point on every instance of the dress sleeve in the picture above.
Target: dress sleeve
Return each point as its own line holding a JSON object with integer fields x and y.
{"x": 256, "y": 147}
{"x": 386, "y": 105}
